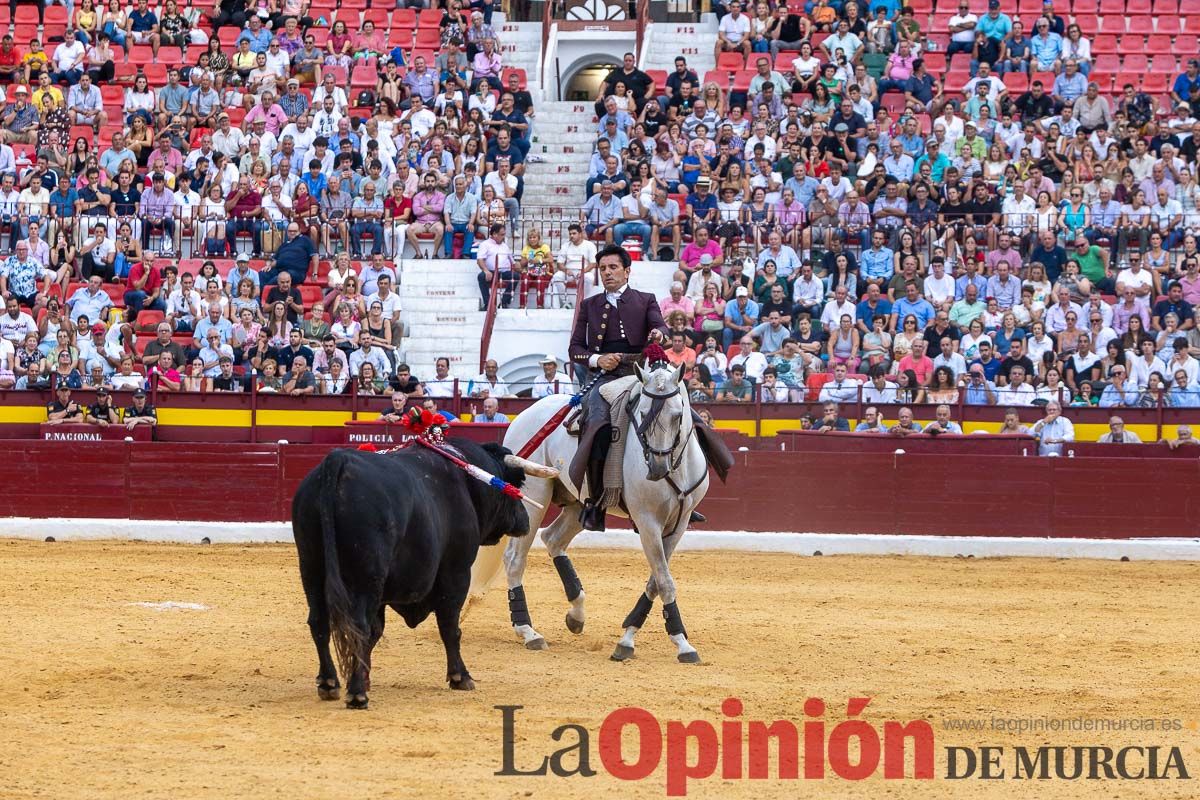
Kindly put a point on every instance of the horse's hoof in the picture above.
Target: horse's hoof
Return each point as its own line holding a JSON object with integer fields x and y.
{"x": 332, "y": 692}
{"x": 356, "y": 702}
{"x": 574, "y": 625}
{"x": 689, "y": 658}
{"x": 463, "y": 684}
{"x": 622, "y": 653}
{"x": 537, "y": 644}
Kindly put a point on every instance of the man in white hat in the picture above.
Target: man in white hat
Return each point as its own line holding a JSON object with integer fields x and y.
{"x": 551, "y": 381}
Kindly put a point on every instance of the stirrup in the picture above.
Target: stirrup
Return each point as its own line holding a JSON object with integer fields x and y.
{"x": 592, "y": 516}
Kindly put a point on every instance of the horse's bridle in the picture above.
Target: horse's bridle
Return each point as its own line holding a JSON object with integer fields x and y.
{"x": 641, "y": 428}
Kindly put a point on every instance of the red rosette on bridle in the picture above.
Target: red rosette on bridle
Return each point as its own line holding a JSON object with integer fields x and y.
{"x": 417, "y": 420}
{"x": 654, "y": 354}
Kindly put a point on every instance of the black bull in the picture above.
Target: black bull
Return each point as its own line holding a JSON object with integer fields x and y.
{"x": 402, "y": 530}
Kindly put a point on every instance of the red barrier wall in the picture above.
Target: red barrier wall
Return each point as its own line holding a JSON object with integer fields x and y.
{"x": 944, "y": 493}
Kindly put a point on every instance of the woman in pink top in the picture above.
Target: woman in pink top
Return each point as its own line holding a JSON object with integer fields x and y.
{"x": 369, "y": 42}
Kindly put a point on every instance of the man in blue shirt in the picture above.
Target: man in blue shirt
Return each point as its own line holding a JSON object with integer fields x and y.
{"x": 803, "y": 185}
{"x": 872, "y": 306}
{"x": 143, "y": 26}
{"x": 297, "y": 256}
{"x": 987, "y": 361}
{"x": 913, "y": 303}
{"x": 62, "y": 208}
{"x": 259, "y": 37}
{"x": 994, "y": 24}
{"x": 980, "y": 391}
{"x": 1186, "y": 88}
{"x": 1118, "y": 392}
{"x": 938, "y": 161}
{"x": 702, "y": 204}
{"x": 877, "y": 263}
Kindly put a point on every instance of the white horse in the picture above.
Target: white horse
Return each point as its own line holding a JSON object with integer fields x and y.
{"x": 665, "y": 478}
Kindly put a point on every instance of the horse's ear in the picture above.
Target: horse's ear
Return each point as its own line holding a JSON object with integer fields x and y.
{"x": 637, "y": 369}
{"x": 679, "y": 372}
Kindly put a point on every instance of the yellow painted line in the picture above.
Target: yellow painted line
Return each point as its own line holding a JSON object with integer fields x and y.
{"x": 27, "y": 414}
{"x": 315, "y": 419}
{"x": 204, "y": 417}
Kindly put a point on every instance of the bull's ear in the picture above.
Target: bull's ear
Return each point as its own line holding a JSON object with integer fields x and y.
{"x": 637, "y": 369}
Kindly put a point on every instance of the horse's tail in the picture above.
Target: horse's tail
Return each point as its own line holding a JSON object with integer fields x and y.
{"x": 349, "y": 638}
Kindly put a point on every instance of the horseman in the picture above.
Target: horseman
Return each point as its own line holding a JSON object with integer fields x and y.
{"x": 611, "y": 330}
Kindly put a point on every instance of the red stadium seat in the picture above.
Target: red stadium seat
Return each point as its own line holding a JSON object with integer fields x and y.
{"x": 82, "y": 131}
{"x": 400, "y": 37}
{"x": 730, "y": 62}
{"x": 1084, "y": 7}
{"x": 1187, "y": 44}
{"x": 26, "y": 15}
{"x": 363, "y": 77}
{"x": 1137, "y": 8}
{"x": 956, "y": 80}
{"x": 1189, "y": 8}
{"x": 1158, "y": 43}
{"x": 1164, "y": 63}
{"x": 1143, "y": 25}
{"x": 1088, "y": 24}
{"x": 1016, "y": 83}
{"x": 718, "y": 77}
{"x": 1164, "y": 10}
{"x": 1105, "y": 43}
{"x": 382, "y": 17}
{"x": 1112, "y": 8}
{"x": 935, "y": 62}
{"x": 1108, "y": 62}
{"x": 404, "y": 18}
{"x": 427, "y": 39}
{"x": 1154, "y": 83}
{"x": 659, "y": 76}
{"x": 55, "y": 23}
{"x": 1103, "y": 80}
{"x": 156, "y": 74}
{"x": 110, "y": 94}
{"x": 429, "y": 18}
{"x": 147, "y": 321}
{"x": 1027, "y": 8}
{"x": 783, "y": 64}
{"x": 741, "y": 80}
{"x": 141, "y": 54}
{"x": 310, "y": 293}
{"x": 1136, "y": 62}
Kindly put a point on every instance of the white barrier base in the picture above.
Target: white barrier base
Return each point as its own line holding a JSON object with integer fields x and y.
{"x": 1164, "y": 549}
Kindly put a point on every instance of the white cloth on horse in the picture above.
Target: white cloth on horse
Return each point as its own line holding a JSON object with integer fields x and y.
{"x": 616, "y": 394}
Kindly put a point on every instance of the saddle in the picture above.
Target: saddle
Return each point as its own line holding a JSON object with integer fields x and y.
{"x": 594, "y": 416}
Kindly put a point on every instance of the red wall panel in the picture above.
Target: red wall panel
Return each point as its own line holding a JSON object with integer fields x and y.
{"x": 841, "y": 492}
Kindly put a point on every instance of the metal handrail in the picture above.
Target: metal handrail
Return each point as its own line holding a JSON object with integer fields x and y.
{"x": 489, "y": 320}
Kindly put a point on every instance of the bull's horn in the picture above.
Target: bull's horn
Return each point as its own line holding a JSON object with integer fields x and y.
{"x": 536, "y": 470}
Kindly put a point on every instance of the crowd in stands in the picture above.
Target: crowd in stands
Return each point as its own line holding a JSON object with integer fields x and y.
{"x": 996, "y": 205}
{"x": 236, "y": 183}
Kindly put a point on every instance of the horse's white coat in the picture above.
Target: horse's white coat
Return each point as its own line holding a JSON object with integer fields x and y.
{"x": 653, "y": 504}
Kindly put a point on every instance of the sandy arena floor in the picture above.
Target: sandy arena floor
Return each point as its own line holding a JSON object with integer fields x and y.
{"x": 108, "y": 699}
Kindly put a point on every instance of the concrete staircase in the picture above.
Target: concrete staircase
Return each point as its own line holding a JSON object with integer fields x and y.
{"x": 440, "y": 304}
{"x": 521, "y": 48}
{"x": 564, "y": 137}
{"x": 692, "y": 40}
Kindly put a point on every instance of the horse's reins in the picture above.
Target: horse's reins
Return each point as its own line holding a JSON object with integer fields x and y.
{"x": 641, "y": 428}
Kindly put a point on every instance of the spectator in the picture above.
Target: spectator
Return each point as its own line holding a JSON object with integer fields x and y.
{"x": 551, "y": 381}
{"x": 905, "y": 424}
{"x": 1053, "y": 430}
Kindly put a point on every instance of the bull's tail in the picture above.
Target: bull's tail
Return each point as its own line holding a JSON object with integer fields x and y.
{"x": 349, "y": 638}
